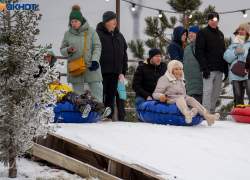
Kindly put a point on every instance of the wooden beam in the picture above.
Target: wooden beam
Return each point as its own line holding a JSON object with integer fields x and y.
{"x": 142, "y": 173}
{"x": 71, "y": 164}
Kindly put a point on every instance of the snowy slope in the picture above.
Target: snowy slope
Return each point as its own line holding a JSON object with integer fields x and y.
{"x": 219, "y": 152}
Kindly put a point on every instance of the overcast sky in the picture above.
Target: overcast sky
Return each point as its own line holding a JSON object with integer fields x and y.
{"x": 56, "y": 14}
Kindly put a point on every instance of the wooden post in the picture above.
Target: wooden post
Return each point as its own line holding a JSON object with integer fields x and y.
{"x": 118, "y": 13}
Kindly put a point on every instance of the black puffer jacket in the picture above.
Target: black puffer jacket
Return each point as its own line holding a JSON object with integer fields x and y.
{"x": 146, "y": 77}
{"x": 114, "y": 58}
{"x": 210, "y": 48}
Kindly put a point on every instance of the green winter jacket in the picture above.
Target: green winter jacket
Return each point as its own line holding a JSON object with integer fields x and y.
{"x": 191, "y": 69}
{"x": 53, "y": 59}
{"x": 93, "y": 51}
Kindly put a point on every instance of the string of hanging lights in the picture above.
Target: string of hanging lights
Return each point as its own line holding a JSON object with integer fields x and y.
{"x": 188, "y": 14}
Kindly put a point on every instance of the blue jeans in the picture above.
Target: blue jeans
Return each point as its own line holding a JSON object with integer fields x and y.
{"x": 138, "y": 101}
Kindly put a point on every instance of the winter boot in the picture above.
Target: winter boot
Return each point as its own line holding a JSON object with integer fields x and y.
{"x": 83, "y": 108}
{"x": 189, "y": 114}
{"x": 103, "y": 111}
{"x": 210, "y": 117}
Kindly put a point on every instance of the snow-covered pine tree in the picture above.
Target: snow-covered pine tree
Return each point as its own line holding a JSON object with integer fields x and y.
{"x": 23, "y": 99}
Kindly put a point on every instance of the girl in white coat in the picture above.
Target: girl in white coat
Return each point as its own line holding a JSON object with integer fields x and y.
{"x": 172, "y": 84}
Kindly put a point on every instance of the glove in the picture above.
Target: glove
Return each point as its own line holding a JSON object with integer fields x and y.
{"x": 226, "y": 76}
{"x": 94, "y": 66}
{"x": 239, "y": 50}
{"x": 206, "y": 73}
{"x": 163, "y": 98}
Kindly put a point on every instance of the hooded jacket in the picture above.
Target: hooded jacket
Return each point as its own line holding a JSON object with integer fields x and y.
{"x": 209, "y": 49}
{"x": 233, "y": 58}
{"x": 114, "y": 58}
{"x": 146, "y": 77}
{"x": 76, "y": 38}
{"x": 175, "y": 49}
{"x": 51, "y": 64}
{"x": 170, "y": 85}
{"x": 191, "y": 69}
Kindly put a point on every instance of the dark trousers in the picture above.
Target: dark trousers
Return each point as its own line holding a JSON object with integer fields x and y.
{"x": 120, "y": 107}
{"x": 197, "y": 97}
{"x": 110, "y": 81}
{"x": 239, "y": 91}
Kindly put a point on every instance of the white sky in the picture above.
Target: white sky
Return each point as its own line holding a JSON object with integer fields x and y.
{"x": 55, "y": 16}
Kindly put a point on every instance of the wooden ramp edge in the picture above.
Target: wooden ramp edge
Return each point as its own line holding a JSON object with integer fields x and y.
{"x": 69, "y": 163}
{"x": 99, "y": 160}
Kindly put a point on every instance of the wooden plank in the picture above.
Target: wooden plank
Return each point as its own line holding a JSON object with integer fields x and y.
{"x": 151, "y": 174}
{"x": 71, "y": 164}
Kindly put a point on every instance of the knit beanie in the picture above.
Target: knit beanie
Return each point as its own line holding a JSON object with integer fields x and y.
{"x": 194, "y": 29}
{"x": 153, "y": 52}
{"x": 246, "y": 26}
{"x": 107, "y": 16}
{"x": 76, "y": 13}
{"x": 211, "y": 15}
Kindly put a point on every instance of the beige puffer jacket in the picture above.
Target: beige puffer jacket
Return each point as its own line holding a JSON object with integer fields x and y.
{"x": 169, "y": 84}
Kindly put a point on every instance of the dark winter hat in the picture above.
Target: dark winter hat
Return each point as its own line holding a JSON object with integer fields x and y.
{"x": 107, "y": 16}
{"x": 194, "y": 29}
{"x": 76, "y": 13}
{"x": 211, "y": 15}
{"x": 153, "y": 52}
{"x": 236, "y": 31}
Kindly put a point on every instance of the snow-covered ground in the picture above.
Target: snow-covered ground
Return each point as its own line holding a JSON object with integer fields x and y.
{"x": 29, "y": 170}
{"x": 219, "y": 152}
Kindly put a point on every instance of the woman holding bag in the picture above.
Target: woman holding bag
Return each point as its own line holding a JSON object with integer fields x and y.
{"x": 236, "y": 55}
{"x": 73, "y": 46}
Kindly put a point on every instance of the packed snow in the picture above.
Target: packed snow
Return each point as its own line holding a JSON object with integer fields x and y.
{"x": 218, "y": 152}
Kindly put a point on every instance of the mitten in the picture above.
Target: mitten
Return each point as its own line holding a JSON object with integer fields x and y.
{"x": 206, "y": 73}
{"x": 94, "y": 66}
{"x": 163, "y": 98}
{"x": 239, "y": 50}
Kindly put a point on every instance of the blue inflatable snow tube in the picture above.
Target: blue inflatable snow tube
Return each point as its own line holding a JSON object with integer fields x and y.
{"x": 67, "y": 113}
{"x": 158, "y": 113}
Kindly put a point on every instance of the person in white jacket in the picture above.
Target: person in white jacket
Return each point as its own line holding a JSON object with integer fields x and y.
{"x": 171, "y": 88}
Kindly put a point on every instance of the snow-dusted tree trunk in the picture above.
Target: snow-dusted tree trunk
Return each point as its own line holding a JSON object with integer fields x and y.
{"x": 24, "y": 100}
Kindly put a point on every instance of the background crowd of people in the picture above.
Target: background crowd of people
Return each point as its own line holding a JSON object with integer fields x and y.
{"x": 203, "y": 61}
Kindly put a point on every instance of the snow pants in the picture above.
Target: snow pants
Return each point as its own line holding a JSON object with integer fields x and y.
{"x": 182, "y": 103}
{"x": 96, "y": 89}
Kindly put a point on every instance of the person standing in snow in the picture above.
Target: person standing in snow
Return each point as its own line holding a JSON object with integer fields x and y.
{"x": 172, "y": 84}
{"x": 237, "y": 54}
{"x": 176, "y": 48}
{"x": 191, "y": 68}
{"x": 73, "y": 46}
{"x": 147, "y": 75}
{"x": 114, "y": 58}
{"x": 209, "y": 50}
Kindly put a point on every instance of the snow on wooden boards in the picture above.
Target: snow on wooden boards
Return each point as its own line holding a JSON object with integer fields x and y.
{"x": 98, "y": 159}
{"x": 69, "y": 163}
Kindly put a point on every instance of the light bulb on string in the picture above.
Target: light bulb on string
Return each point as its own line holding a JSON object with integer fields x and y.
{"x": 160, "y": 14}
{"x": 215, "y": 19}
{"x": 107, "y": 0}
{"x": 133, "y": 7}
{"x": 244, "y": 13}
{"x": 190, "y": 16}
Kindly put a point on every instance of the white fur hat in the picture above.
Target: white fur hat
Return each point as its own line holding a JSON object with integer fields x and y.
{"x": 174, "y": 64}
